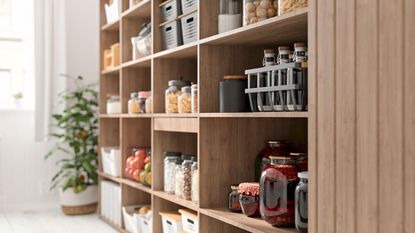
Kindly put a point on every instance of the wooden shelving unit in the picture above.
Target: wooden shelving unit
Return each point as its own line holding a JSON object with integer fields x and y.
{"x": 226, "y": 143}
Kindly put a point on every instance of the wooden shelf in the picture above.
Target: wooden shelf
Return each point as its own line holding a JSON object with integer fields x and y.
{"x": 113, "y": 26}
{"x": 114, "y": 70}
{"x": 141, "y": 62}
{"x": 177, "y": 200}
{"x": 183, "y": 51}
{"x": 109, "y": 177}
{"x": 257, "y": 114}
{"x": 110, "y": 115}
{"x": 136, "y": 185}
{"x": 176, "y": 124}
{"x": 141, "y": 10}
{"x": 175, "y": 115}
{"x": 254, "y": 225}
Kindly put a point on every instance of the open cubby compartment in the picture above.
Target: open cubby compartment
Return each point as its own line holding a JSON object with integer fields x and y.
{"x": 103, "y": 20}
{"x": 130, "y": 27}
{"x": 228, "y": 148}
{"x": 109, "y": 135}
{"x": 108, "y": 38}
{"x": 208, "y": 224}
{"x": 133, "y": 79}
{"x": 131, "y": 196}
{"x": 110, "y": 85}
{"x": 170, "y": 68}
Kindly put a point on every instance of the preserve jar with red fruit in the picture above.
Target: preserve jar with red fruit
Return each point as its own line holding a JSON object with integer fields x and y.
{"x": 277, "y": 188}
{"x": 249, "y": 199}
{"x": 272, "y": 148}
{"x": 302, "y": 161}
{"x": 234, "y": 204}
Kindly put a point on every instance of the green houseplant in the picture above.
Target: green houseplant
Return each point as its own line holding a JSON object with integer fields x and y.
{"x": 75, "y": 129}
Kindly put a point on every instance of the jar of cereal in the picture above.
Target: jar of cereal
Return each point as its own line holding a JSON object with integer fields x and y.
{"x": 195, "y": 104}
{"x": 286, "y": 6}
{"x": 258, "y": 10}
{"x": 172, "y": 94}
{"x": 185, "y": 100}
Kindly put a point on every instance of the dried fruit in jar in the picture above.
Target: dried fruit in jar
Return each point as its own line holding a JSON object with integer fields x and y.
{"x": 259, "y": 10}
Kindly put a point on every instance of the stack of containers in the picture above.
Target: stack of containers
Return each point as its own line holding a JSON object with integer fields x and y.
{"x": 111, "y": 201}
{"x": 180, "y": 22}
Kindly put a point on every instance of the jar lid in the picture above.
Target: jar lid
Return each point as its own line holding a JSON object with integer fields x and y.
{"x": 179, "y": 83}
{"x": 233, "y": 77}
{"x": 300, "y": 45}
{"x": 114, "y": 97}
{"x": 277, "y": 142}
{"x": 250, "y": 188}
{"x": 185, "y": 162}
{"x": 186, "y": 89}
{"x": 270, "y": 51}
{"x": 298, "y": 154}
{"x": 133, "y": 95}
{"x": 303, "y": 175}
{"x": 283, "y": 48}
{"x": 234, "y": 187}
{"x": 194, "y": 158}
{"x": 179, "y": 162}
{"x": 282, "y": 160}
{"x": 187, "y": 157}
{"x": 194, "y": 86}
{"x": 172, "y": 154}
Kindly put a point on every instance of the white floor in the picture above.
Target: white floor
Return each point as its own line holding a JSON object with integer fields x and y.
{"x": 51, "y": 221}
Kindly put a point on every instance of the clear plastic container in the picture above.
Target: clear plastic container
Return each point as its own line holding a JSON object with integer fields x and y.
{"x": 187, "y": 179}
{"x": 141, "y": 44}
{"x": 185, "y": 100}
{"x": 286, "y": 6}
{"x": 133, "y": 104}
{"x": 195, "y": 182}
{"x": 259, "y": 10}
{"x": 172, "y": 94}
{"x": 149, "y": 104}
{"x": 230, "y": 16}
{"x": 195, "y": 97}
{"x": 113, "y": 104}
{"x": 170, "y": 160}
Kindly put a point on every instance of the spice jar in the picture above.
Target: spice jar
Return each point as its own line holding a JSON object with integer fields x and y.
{"x": 258, "y": 10}
{"x": 113, "y": 104}
{"x": 277, "y": 199}
{"x": 230, "y": 16}
{"x": 187, "y": 179}
{"x": 283, "y": 54}
{"x": 300, "y": 50}
{"x": 233, "y": 204}
{"x": 178, "y": 187}
{"x": 185, "y": 100}
{"x": 272, "y": 148}
{"x": 133, "y": 103}
{"x": 195, "y": 103}
{"x": 170, "y": 159}
{"x": 269, "y": 57}
{"x": 301, "y": 203}
{"x": 232, "y": 97}
{"x": 142, "y": 97}
{"x": 149, "y": 103}
{"x": 249, "y": 199}
{"x": 285, "y": 6}
{"x": 302, "y": 161}
{"x": 172, "y": 95}
{"x": 195, "y": 182}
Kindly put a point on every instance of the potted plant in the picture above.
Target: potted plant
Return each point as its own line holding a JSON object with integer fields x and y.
{"x": 75, "y": 129}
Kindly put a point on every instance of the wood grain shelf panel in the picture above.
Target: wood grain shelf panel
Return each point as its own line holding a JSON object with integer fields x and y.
{"x": 277, "y": 30}
{"x": 114, "y": 70}
{"x": 183, "y": 51}
{"x": 173, "y": 124}
{"x": 109, "y": 177}
{"x": 136, "y": 185}
{"x": 110, "y": 115}
{"x": 113, "y": 26}
{"x": 146, "y": 115}
{"x": 254, "y": 225}
{"x": 141, "y": 10}
{"x": 141, "y": 62}
{"x": 256, "y": 114}
{"x": 175, "y": 115}
{"x": 177, "y": 200}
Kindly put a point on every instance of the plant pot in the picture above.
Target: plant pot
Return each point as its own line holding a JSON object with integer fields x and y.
{"x": 85, "y": 202}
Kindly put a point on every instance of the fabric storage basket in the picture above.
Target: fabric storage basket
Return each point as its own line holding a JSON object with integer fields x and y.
{"x": 189, "y": 27}
{"x": 171, "y": 222}
{"x": 146, "y": 222}
{"x": 170, "y": 10}
{"x": 189, "y": 5}
{"x": 189, "y": 221}
{"x": 172, "y": 36}
{"x": 111, "y": 160}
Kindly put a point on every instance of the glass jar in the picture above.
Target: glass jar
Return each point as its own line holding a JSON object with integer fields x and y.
{"x": 285, "y": 6}
{"x": 283, "y": 54}
{"x": 301, "y": 203}
{"x": 195, "y": 103}
{"x": 149, "y": 104}
{"x": 170, "y": 159}
{"x": 230, "y": 15}
{"x": 233, "y": 204}
{"x": 133, "y": 103}
{"x": 272, "y": 148}
{"x": 185, "y": 100}
{"x": 142, "y": 97}
{"x": 258, "y": 10}
{"x": 172, "y": 94}
{"x": 300, "y": 50}
{"x": 195, "y": 182}
{"x": 178, "y": 172}
{"x": 113, "y": 104}
{"x": 277, "y": 199}
{"x": 302, "y": 161}
{"x": 269, "y": 57}
{"x": 187, "y": 179}
{"x": 249, "y": 199}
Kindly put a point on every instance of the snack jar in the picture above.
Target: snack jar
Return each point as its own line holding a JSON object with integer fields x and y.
{"x": 249, "y": 199}
{"x": 170, "y": 159}
{"x": 172, "y": 94}
{"x": 133, "y": 103}
{"x": 301, "y": 203}
{"x": 286, "y": 6}
{"x": 195, "y": 104}
{"x": 187, "y": 179}
{"x": 178, "y": 172}
{"x": 272, "y": 148}
{"x": 185, "y": 100}
{"x": 277, "y": 188}
{"x": 233, "y": 204}
{"x": 258, "y": 10}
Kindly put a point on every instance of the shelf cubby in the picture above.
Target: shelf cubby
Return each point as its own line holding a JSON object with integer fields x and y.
{"x": 209, "y": 224}
{"x": 130, "y": 27}
{"x": 134, "y": 79}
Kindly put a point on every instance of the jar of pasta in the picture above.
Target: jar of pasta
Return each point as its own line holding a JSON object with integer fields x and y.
{"x": 172, "y": 94}
{"x": 258, "y": 10}
{"x": 286, "y": 6}
{"x": 195, "y": 104}
{"x": 133, "y": 103}
{"x": 185, "y": 100}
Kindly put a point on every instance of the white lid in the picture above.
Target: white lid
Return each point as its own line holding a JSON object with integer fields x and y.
{"x": 303, "y": 175}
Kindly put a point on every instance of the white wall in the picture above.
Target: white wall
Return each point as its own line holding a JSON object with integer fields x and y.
{"x": 24, "y": 175}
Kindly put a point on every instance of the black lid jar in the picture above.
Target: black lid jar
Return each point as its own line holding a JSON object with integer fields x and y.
{"x": 232, "y": 97}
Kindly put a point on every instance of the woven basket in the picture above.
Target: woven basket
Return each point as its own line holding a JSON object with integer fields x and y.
{"x": 80, "y": 210}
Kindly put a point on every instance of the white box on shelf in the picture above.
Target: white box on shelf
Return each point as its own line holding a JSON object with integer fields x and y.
{"x": 171, "y": 222}
{"x": 111, "y": 161}
{"x": 132, "y": 220}
{"x": 146, "y": 222}
{"x": 190, "y": 221}
{"x": 112, "y": 11}
{"x": 111, "y": 201}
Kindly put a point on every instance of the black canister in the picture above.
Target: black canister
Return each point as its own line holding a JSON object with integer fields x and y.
{"x": 232, "y": 97}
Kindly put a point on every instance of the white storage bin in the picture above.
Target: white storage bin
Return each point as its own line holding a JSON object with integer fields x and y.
{"x": 171, "y": 222}
{"x": 170, "y": 10}
{"x": 189, "y": 5}
{"x": 113, "y": 11}
{"x": 190, "y": 221}
{"x": 132, "y": 220}
{"x": 111, "y": 201}
{"x": 189, "y": 27}
{"x": 172, "y": 34}
{"x": 146, "y": 222}
{"x": 111, "y": 161}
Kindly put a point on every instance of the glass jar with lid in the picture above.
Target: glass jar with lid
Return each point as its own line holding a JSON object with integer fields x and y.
{"x": 170, "y": 159}
{"x": 142, "y": 97}
{"x": 233, "y": 204}
{"x": 187, "y": 179}
{"x": 195, "y": 182}
{"x": 300, "y": 51}
{"x": 259, "y": 10}
{"x": 195, "y": 103}
{"x": 272, "y": 148}
{"x": 277, "y": 188}
{"x": 133, "y": 104}
{"x": 185, "y": 100}
{"x": 283, "y": 54}
{"x": 113, "y": 104}
{"x": 149, "y": 103}
{"x": 301, "y": 203}
{"x": 172, "y": 94}
{"x": 302, "y": 161}
{"x": 249, "y": 199}
{"x": 230, "y": 15}
{"x": 178, "y": 172}
{"x": 286, "y": 6}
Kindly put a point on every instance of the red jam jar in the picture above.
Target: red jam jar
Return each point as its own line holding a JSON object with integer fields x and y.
{"x": 302, "y": 161}
{"x": 249, "y": 199}
{"x": 272, "y": 148}
{"x": 234, "y": 204}
{"x": 277, "y": 188}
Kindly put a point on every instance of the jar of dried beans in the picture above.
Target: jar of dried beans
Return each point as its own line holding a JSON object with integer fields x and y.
{"x": 258, "y": 10}
{"x": 187, "y": 179}
{"x": 277, "y": 188}
{"x": 249, "y": 199}
{"x": 286, "y": 6}
{"x": 172, "y": 94}
{"x": 185, "y": 100}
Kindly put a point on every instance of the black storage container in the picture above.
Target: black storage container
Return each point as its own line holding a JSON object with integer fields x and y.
{"x": 232, "y": 97}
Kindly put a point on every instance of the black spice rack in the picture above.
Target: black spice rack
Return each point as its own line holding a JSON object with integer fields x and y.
{"x": 278, "y": 88}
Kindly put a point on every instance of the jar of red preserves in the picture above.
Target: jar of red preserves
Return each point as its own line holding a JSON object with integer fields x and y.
{"x": 249, "y": 199}
{"x": 234, "y": 204}
{"x": 277, "y": 188}
{"x": 272, "y": 148}
{"x": 302, "y": 161}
